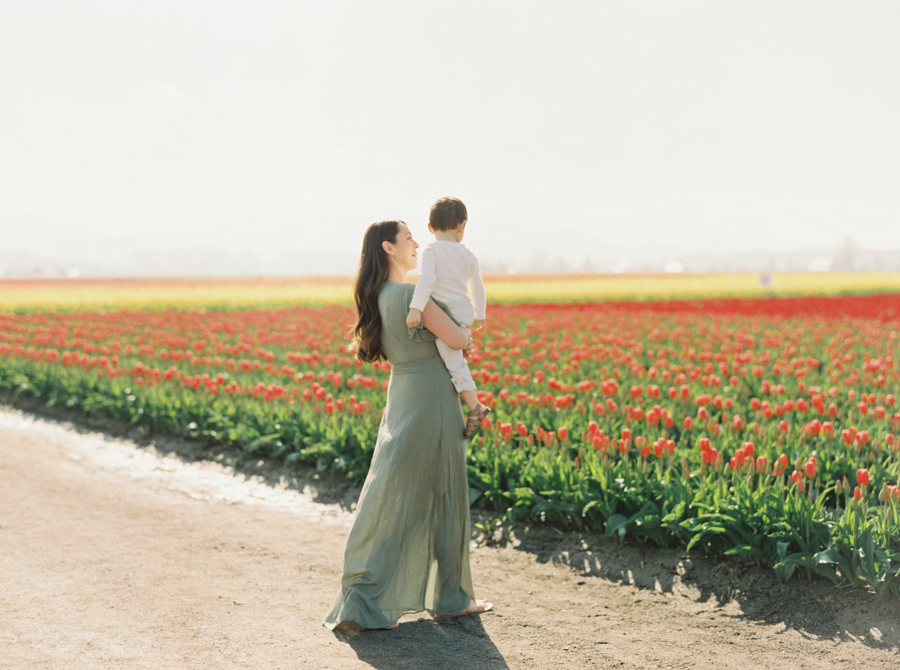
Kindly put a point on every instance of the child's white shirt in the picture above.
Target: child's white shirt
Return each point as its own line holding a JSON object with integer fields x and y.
{"x": 450, "y": 273}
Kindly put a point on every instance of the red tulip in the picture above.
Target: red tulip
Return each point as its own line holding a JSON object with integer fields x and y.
{"x": 810, "y": 469}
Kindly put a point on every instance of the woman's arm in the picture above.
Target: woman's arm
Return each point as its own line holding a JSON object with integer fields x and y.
{"x": 436, "y": 320}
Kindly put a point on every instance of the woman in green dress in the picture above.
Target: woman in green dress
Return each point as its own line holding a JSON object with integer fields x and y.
{"x": 408, "y": 549}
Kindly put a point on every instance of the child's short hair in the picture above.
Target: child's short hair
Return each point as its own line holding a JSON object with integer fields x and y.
{"x": 447, "y": 214}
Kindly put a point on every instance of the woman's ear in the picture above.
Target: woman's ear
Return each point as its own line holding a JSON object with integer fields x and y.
{"x": 387, "y": 248}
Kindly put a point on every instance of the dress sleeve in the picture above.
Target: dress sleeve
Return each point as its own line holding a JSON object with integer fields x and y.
{"x": 476, "y": 288}
{"x": 427, "y": 278}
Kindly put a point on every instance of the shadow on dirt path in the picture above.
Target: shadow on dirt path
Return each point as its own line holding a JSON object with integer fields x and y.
{"x": 815, "y": 607}
{"x": 455, "y": 645}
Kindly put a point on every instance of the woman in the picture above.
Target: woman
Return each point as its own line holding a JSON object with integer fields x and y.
{"x": 408, "y": 549}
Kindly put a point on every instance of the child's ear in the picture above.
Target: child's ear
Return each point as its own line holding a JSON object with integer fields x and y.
{"x": 430, "y": 229}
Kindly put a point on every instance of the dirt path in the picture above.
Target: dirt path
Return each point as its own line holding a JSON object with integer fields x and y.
{"x": 112, "y": 556}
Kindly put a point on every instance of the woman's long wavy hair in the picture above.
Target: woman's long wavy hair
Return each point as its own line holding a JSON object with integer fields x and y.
{"x": 374, "y": 268}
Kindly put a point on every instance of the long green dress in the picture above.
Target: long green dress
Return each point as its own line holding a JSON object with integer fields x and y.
{"x": 408, "y": 549}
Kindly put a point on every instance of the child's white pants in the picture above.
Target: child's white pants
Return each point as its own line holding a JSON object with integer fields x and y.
{"x": 464, "y": 314}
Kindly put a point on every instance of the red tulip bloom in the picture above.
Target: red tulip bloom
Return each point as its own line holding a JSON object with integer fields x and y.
{"x": 810, "y": 469}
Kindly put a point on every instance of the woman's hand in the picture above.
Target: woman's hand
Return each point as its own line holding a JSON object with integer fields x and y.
{"x": 469, "y": 351}
{"x": 470, "y": 343}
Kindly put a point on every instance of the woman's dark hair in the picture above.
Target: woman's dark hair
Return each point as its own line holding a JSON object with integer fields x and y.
{"x": 374, "y": 268}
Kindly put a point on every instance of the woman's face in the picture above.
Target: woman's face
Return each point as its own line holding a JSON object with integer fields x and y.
{"x": 402, "y": 250}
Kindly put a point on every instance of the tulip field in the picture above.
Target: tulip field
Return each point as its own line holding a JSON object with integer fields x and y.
{"x": 762, "y": 428}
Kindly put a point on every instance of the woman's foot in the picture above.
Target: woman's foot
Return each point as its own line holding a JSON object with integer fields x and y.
{"x": 474, "y": 607}
{"x": 385, "y": 628}
{"x": 474, "y": 417}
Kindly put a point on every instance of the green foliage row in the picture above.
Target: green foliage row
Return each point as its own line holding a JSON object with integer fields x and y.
{"x": 744, "y": 515}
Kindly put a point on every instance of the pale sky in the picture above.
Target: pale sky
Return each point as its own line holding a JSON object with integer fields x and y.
{"x": 574, "y": 128}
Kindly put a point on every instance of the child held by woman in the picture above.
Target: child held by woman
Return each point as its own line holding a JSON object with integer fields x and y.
{"x": 449, "y": 275}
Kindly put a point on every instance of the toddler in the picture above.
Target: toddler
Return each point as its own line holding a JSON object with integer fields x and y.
{"x": 448, "y": 268}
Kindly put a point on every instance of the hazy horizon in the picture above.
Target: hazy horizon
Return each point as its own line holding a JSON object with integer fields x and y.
{"x": 581, "y": 131}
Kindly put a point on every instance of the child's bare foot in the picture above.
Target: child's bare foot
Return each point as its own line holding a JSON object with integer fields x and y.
{"x": 474, "y": 417}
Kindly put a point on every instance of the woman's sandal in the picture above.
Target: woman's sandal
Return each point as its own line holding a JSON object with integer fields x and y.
{"x": 474, "y": 607}
{"x": 474, "y": 417}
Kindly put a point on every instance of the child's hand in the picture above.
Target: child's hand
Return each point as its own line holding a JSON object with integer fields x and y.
{"x": 414, "y": 318}
{"x": 478, "y": 324}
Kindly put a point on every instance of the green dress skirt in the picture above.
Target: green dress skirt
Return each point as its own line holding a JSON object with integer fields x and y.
{"x": 408, "y": 549}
